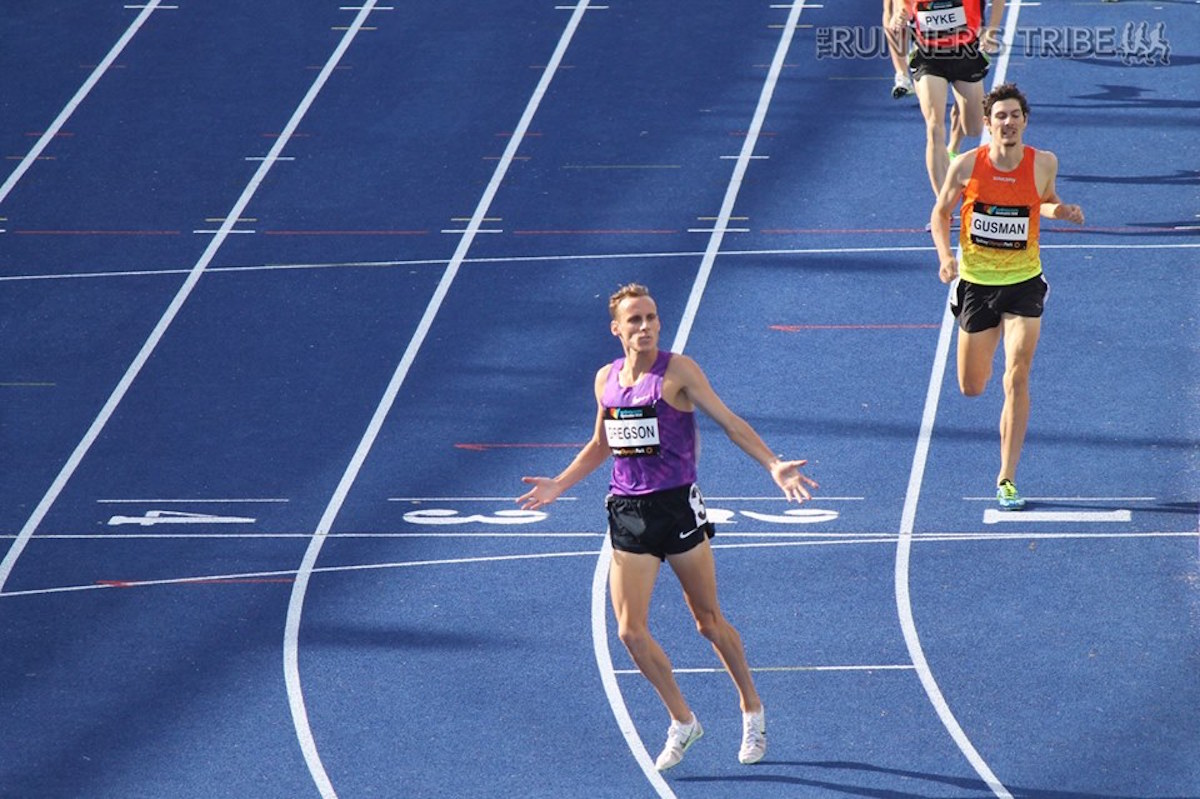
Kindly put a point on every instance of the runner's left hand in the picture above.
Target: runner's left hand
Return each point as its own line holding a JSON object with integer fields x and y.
{"x": 787, "y": 475}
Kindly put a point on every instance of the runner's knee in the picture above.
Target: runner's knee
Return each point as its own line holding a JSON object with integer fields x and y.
{"x": 635, "y": 637}
{"x": 710, "y": 624}
{"x": 973, "y": 385}
{"x": 1016, "y": 378}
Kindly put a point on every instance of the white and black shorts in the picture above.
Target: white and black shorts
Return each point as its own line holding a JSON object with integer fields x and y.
{"x": 663, "y": 523}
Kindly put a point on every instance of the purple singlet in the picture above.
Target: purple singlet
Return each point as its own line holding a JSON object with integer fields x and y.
{"x": 653, "y": 444}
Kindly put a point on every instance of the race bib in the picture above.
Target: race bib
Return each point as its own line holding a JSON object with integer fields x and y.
{"x": 1002, "y": 227}
{"x": 632, "y": 432}
{"x": 941, "y": 16}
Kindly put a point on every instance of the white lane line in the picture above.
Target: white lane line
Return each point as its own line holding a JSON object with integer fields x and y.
{"x": 308, "y": 564}
{"x": 1069, "y": 499}
{"x": 600, "y": 579}
{"x": 198, "y": 501}
{"x": 784, "y": 669}
{"x": 801, "y": 539}
{"x": 298, "y": 536}
{"x": 235, "y": 214}
{"x": 589, "y": 553}
{"x": 164, "y": 322}
{"x": 533, "y": 259}
{"x": 227, "y": 226}
{"x": 908, "y": 624}
{"x": 735, "y": 181}
{"x": 779, "y": 499}
{"x": 69, "y": 109}
{"x": 995, "y": 516}
{"x": 288, "y": 573}
{"x": 608, "y": 674}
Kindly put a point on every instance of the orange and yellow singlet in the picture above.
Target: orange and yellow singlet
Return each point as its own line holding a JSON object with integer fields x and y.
{"x": 1000, "y": 215}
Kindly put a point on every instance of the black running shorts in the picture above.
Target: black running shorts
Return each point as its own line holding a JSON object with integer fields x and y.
{"x": 980, "y": 307}
{"x": 662, "y": 523}
{"x": 966, "y": 63}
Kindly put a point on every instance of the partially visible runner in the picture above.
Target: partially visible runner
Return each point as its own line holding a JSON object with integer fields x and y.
{"x": 1005, "y": 186}
{"x": 897, "y": 44}
{"x": 958, "y": 131}
{"x": 950, "y": 53}
{"x": 645, "y": 419}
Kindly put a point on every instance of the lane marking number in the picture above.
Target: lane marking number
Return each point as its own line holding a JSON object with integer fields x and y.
{"x": 153, "y": 517}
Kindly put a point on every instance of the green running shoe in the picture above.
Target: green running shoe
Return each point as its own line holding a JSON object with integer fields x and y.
{"x": 1008, "y": 496}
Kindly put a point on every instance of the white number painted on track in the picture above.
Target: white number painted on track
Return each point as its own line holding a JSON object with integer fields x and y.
{"x": 447, "y": 516}
{"x": 153, "y": 517}
{"x": 794, "y": 516}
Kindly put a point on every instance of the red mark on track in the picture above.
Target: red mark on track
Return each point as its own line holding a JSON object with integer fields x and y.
{"x": 96, "y": 232}
{"x": 346, "y": 232}
{"x": 237, "y": 580}
{"x": 840, "y": 231}
{"x": 114, "y": 583}
{"x": 601, "y": 232}
{"x": 798, "y": 328}
{"x": 1071, "y": 231}
{"x": 485, "y": 447}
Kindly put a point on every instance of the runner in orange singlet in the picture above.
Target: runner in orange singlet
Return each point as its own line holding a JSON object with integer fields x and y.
{"x": 951, "y": 51}
{"x": 1005, "y": 187}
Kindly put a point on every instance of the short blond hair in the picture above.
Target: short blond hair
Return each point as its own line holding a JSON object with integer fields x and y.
{"x": 623, "y": 293}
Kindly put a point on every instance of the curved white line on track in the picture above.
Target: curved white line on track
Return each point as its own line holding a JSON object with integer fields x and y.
{"x": 48, "y": 135}
{"x": 291, "y": 665}
{"x": 908, "y": 626}
{"x": 608, "y": 675}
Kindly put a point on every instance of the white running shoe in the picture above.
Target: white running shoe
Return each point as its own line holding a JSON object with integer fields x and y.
{"x": 679, "y": 738}
{"x": 754, "y": 737}
{"x": 902, "y": 85}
